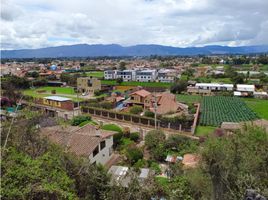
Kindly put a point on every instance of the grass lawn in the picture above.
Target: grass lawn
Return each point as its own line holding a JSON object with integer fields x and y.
{"x": 204, "y": 130}
{"x": 108, "y": 82}
{"x": 221, "y": 80}
{"x": 60, "y": 91}
{"x": 188, "y": 98}
{"x": 135, "y": 83}
{"x": 112, "y": 127}
{"x": 259, "y": 106}
{"x": 97, "y": 74}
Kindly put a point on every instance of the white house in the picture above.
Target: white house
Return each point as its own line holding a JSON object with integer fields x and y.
{"x": 110, "y": 74}
{"x": 245, "y": 88}
{"x": 215, "y": 86}
{"x": 86, "y": 141}
{"x": 166, "y": 75}
{"x": 147, "y": 75}
{"x": 126, "y": 75}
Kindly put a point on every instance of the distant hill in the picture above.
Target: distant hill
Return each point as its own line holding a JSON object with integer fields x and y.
{"x": 85, "y": 50}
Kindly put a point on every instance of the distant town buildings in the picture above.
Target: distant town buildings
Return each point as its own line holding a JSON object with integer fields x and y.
{"x": 143, "y": 75}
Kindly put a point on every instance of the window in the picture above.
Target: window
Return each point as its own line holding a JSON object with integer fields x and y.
{"x": 89, "y": 83}
{"x": 96, "y": 151}
{"x": 102, "y": 145}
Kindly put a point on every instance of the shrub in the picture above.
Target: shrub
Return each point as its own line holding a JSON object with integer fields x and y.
{"x": 97, "y": 93}
{"x": 140, "y": 164}
{"x": 79, "y": 119}
{"x": 135, "y": 110}
{"x": 153, "y": 138}
{"x": 155, "y": 166}
{"x": 135, "y": 136}
{"x": 134, "y": 154}
{"x": 117, "y": 139}
{"x": 149, "y": 114}
{"x": 126, "y": 131}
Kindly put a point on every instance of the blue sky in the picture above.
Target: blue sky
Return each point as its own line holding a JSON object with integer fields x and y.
{"x": 43, "y": 23}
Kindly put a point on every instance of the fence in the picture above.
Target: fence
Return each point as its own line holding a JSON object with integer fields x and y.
{"x": 136, "y": 119}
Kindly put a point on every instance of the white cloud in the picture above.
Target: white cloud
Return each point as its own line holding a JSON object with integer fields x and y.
{"x": 41, "y": 23}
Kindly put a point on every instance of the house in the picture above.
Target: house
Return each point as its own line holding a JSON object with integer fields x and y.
{"x": 215, "y": 86}
{"x": 208, "y": 88}
{"x": 147, "y": 75}
{"x": 88, "y": 85}
{"x": 244, "y": 90}
{"x": 260, "y": 95}
{"x": 57, "y": 106}
{"x": 167, "y": 75}
{"x": 126, "y": 75}
{"x": 167, "y": 103}
{"x": 86, "y": 141}
{"x": 141, "y": 97}
{"x": 110, "y": 74}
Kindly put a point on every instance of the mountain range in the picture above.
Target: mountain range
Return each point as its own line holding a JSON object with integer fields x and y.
{"x": 85, "y": 50}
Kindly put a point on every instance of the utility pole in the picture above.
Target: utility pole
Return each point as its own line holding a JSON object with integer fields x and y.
{"x": 155, "y": 110}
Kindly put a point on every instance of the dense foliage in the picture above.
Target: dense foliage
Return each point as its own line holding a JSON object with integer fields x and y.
{"x": 80, "y": 119}
{"x": 135, "y": 110}
{"x": 237, "y": 162}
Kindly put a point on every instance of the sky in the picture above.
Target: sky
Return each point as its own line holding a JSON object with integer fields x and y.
{"x": 179, "y": 23}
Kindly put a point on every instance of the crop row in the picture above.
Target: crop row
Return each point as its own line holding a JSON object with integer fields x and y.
{"x": 218, "y": 109}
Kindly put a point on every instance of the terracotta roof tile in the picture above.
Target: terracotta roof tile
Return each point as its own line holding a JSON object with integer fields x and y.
{"x": 143, "y": 93}
{"x": 79, "y": 140}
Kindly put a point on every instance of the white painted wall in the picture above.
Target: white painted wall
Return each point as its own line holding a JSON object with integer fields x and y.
{"x": 105, "y": 154}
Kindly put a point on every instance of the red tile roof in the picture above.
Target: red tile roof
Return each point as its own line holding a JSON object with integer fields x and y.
{"x": 143, "y": 93}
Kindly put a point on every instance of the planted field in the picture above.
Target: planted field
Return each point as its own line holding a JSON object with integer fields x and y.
{"x": 218, "y": 109}
{"x": 135, "y": 83}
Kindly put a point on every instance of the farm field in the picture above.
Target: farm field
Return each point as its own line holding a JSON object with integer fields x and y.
{"x": 218, "y": 109}
{"x": 60, "y": 91}
{"x": 259, "y": 106}
{"x": 188, "y": 98}
{"x": 97, "y": 74}
{"x": 135, "y": 83}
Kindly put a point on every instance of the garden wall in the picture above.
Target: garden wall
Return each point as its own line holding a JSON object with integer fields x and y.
{"x": 146, "y": 121}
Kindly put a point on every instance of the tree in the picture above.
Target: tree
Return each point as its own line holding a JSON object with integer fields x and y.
{"x": 135, "y": 110}
{"x": 149, "y": 114}
{"x": 119, "y": 80}
{"x": 238, "y": 78}
{"x": 135, "y": 136}
{"x": 134, "y": 154}
{"x": 237, "y": 162}
{"x": 153, "y": 138}
{"x": 188, "y": 72}
{"x": 178, "y": 87}
{"x": 26, "y": 178}
{"x": 122, "y": 65}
